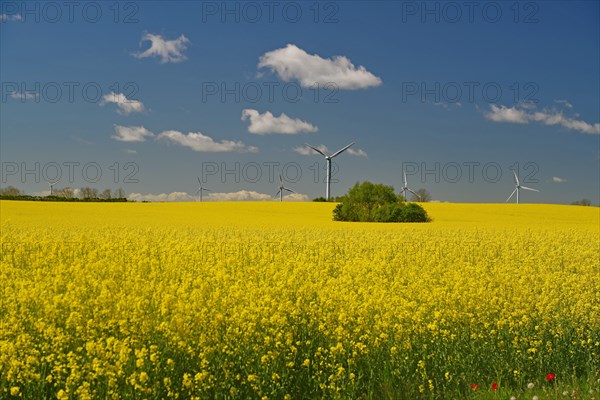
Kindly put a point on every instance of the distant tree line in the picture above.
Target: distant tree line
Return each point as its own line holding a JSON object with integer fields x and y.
{"x": 66, "y": 194}
{"x": 582, "y": 202}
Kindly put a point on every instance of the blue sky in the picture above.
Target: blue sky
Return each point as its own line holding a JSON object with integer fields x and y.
{"x": 456, "y": 94}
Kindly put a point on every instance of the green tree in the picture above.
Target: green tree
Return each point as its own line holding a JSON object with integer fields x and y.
{"x": 369, "y": 202}
{"x": 424, "y": 195}
{"x": 582, "y": 202}
{"x": 10, "y": 191}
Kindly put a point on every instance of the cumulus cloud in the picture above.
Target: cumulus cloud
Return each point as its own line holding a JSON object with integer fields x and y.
{"x": 124, "y": 105}
{"x": 169, "y": 51}
{"x": 296, "y": 197}
{"x": 131, "y": 133}
{"x": 564, "y": 103}
{"x": 267, "y": 123}
{"x": 174, "y": 196}
{"x": 293, "y": 63}
{"x": 307, "y": 151}
{"x": 507, "y": 114}
{"x": 448, "y": 106}
{"x": 23, "y": 96}
{"x": 10, "y": 17}
{"x": 357, "y": 153}
{"x": 248, "y": 195}
{"x": 242, "y": 195}
{"x": 202, "y": 143}
{"x": 518, "y": 115}
{"x": 558, "y": 179}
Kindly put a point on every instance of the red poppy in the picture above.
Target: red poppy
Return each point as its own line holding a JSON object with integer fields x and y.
{"x": 550, "y": 377}
{"x": 494, "y": 386}
{"x": 474, "y": 386}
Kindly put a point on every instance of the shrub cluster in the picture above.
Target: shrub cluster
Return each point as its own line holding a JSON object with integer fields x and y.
{"x": 369, "y": 202}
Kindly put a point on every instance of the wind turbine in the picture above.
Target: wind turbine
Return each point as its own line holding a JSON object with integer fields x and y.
{"x": 328, "y": 159}
{"x": 281, "y": 189}
{"x": 405, "y": 189}
{"x": 200, "y": 189}
{"x": 51, "y": 186}
{"x": 518, "y": 187}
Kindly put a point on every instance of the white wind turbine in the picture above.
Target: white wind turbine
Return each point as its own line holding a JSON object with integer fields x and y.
{"x": 51, "y": 184}
{"x": 281, "y": 189}
{"x": 328, "y": 159}
{"x": 201, "y": 189}
{"x": 518, "y": 187}
{"x": 405, "y": 189}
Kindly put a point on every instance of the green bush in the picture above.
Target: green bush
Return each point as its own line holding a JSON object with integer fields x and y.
{"x": 369, "y": 202}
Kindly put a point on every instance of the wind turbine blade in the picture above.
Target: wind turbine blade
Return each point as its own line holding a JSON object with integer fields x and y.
{"x": 198, "y": 191}
{"x": 276, "y": 194}
{"x": 405, "y": 181}
{"x": 413, "y": 192}
{"x": 511, "y": 195}
{"x": 280, "y": 180}
{"x": 516, "y": 178}
{"x": 341, "y": 150}
{"x": 317, "y": 150}
{"x": 526, "y": 188}
{"x": 199, "y": 181}
{"x": 289, "y": 190}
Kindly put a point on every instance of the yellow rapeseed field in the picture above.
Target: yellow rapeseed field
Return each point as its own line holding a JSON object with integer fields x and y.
{"x": 276, "y": 301}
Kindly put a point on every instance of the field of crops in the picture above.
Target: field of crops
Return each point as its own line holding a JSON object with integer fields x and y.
{"x": 276, "y": 301}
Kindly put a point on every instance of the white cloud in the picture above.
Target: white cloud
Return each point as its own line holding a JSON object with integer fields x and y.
{"x": 43, "y": 193}
{"x": 558, "y": 180}
{"x": 242, "y": 195}
{"x": 23, "y": 96}
{"x": 202, "y": 143}
{"x": 296, "y": 197}
{"x": 248, "y": 195}
{"x": 449, "y": 106}
{"x": 174, "y": 196}
{"x": 131, "y": 133}
{"x": 264, "y": 124}
{"x": 357, "y": 153}
{"x": 166, "y": 50}
{"x": 13, "y": 17}
{"x": 548, "y": 117}
{"x": 307, "y": 151}
{"x": 124, "y": 105}
{"x": 507, "y": 114}
{"x": 564, "y": 102}
{"x": 293, "y": 63}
